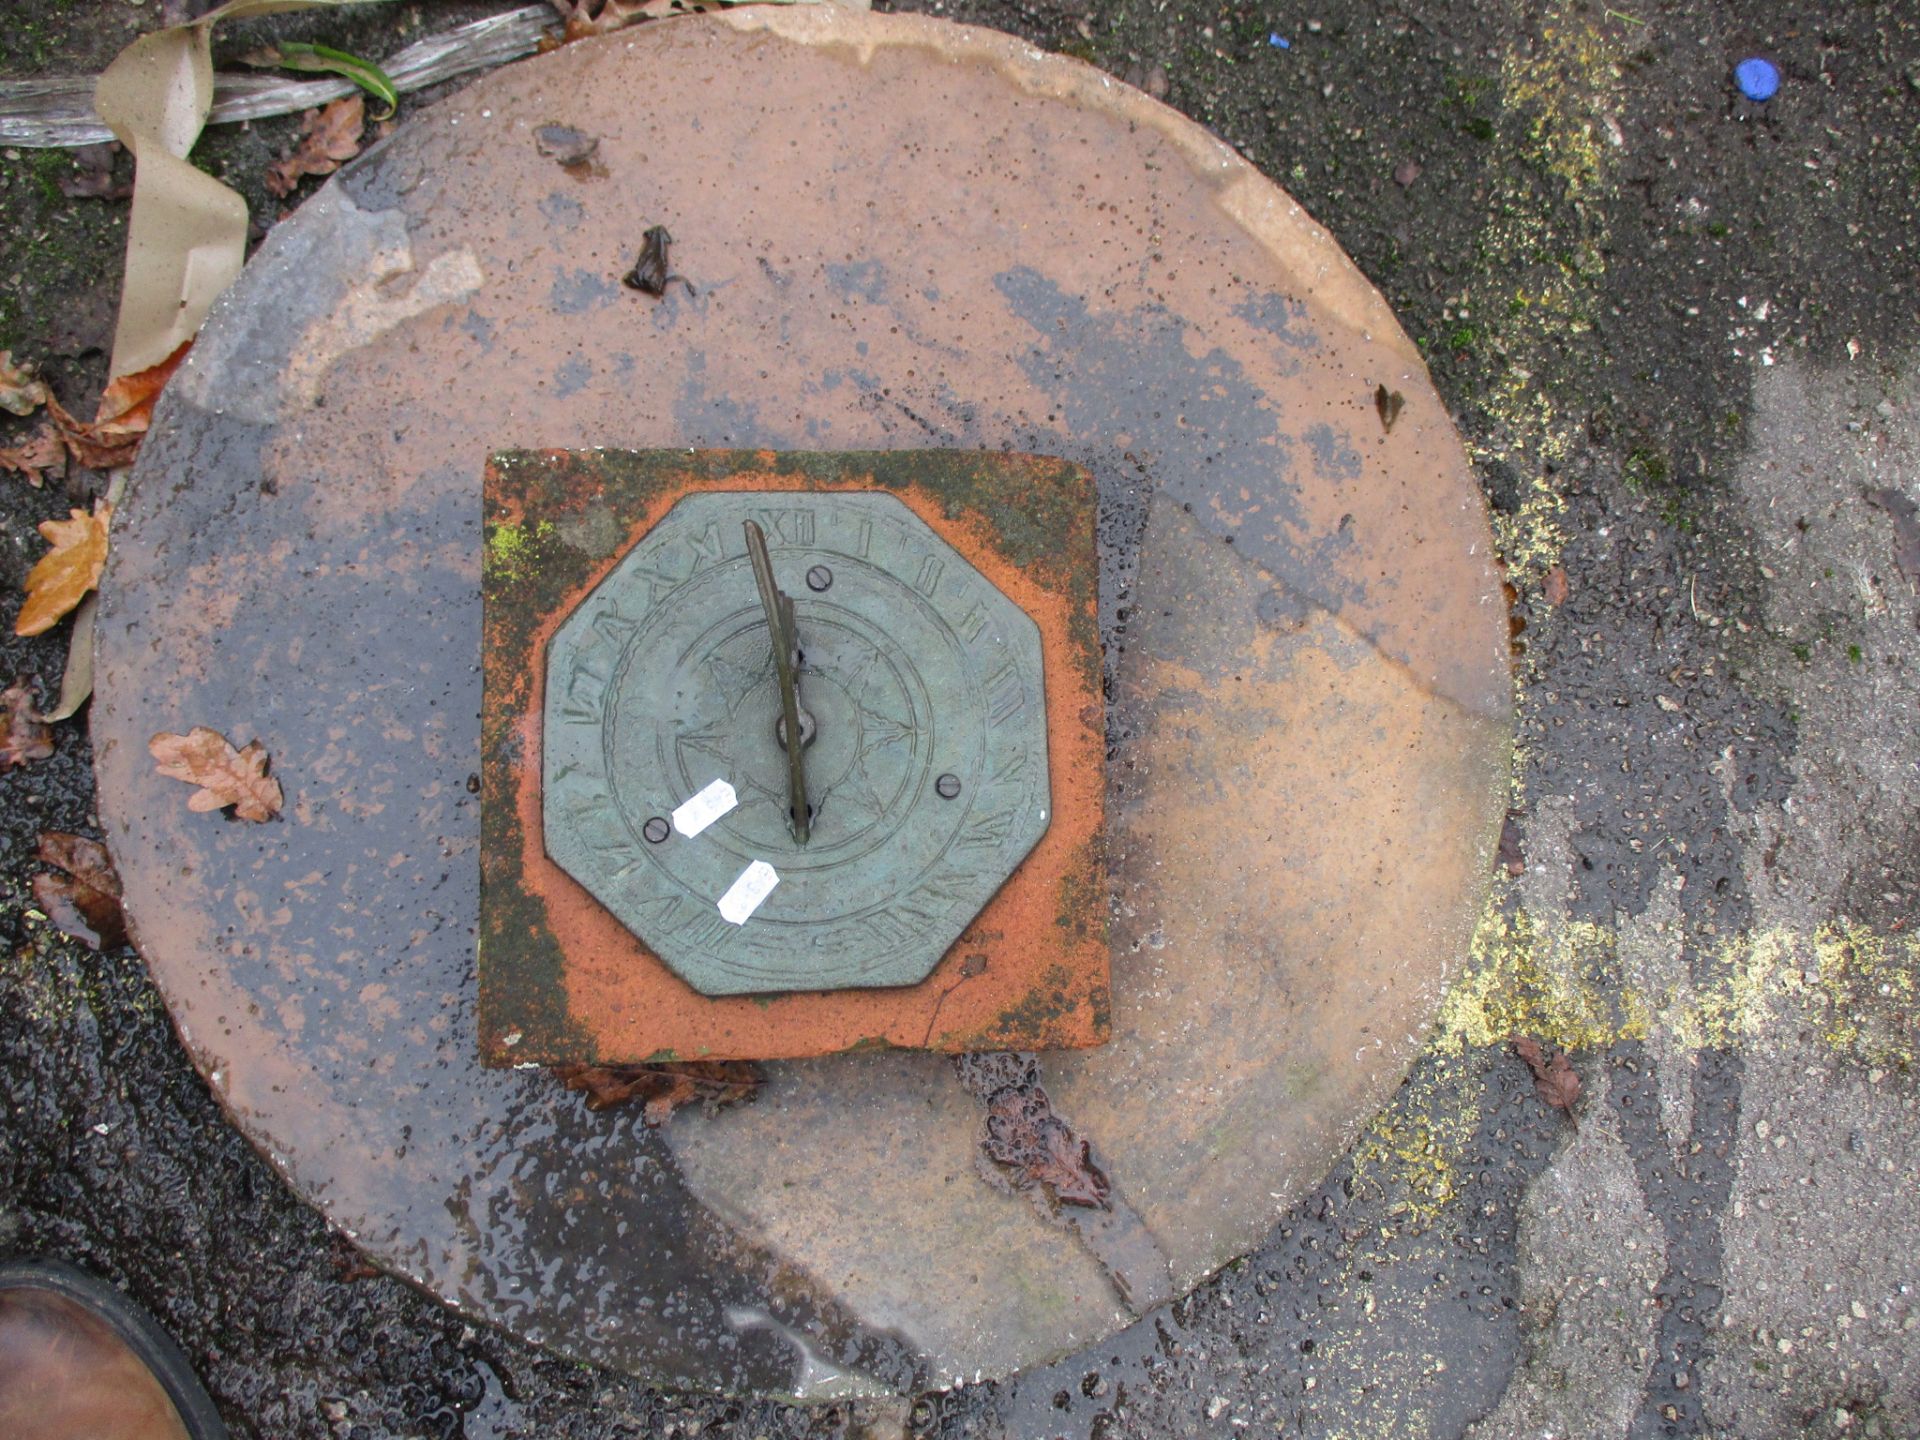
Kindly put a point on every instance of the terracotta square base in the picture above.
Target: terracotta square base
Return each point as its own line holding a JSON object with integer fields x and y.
{"x": 562, "y": 981}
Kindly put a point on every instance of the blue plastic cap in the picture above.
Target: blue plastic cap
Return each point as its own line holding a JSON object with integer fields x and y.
{"x": 1758, "y": 79}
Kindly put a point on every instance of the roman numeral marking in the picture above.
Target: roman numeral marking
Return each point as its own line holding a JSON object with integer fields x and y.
{"x": 706, "y": 927}
{"x": 659, "y": 582}
{"x": 864, "y": 543}
{"x": 928, "y": 580}
{"x": 890, "y": 928}
{"x": 792, "y": 526}
{"x": 709, "y": 548}
{"x": 988, "y": 833}
{"x": 585, "y": 695}
{"x": 598, "y": 824}
{"x": 1006, "y": 697}
{"x": 971, "y": 624}
{"x": 1011, "y": 768}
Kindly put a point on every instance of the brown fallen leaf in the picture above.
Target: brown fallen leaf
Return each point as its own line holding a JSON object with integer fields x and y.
{"x": 1511, "y": 855}
{"x": 227, "y": 777}
{"x": 1389, "y": 404}
{"x": 61, "y": 578}
{"x": 1039, "y": 1148}
{"x": 329, "y": 137}
{"x": 21, "y": 392}
{"x": 1906, "y": 530}
{"x": 1555, "y": 587}
{"x": 85, "y": 901}
{"x": 93, "y": 177}
{"x": 37, "y": 458}
{"x": 24, "y": 736}
{"x": 1553, "y": 1080}
{"x": 664, "y": 1088}
{"x": 600, "y": 17}
{"x": 121, "y": 420}
{"x": 577, "y": 152}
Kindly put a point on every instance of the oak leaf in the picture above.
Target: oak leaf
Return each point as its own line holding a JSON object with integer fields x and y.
{"x": 664, "y": 1088}
{"x": 1553, "y": 1080}
{"x": 1039, "y": 1148}
{"x": 62, "y": 577}
{"x": 601, "y": 17}
{"x": 20, "y": 391}
{"x": 24, "y": 736}
{"x": 85, "y": 901}
{"x": 228, "y": 778}
{"x": 93, "y": 174}
{"x": 122, "y": 418}
{"x": 328, "y": 138}
{"x": 37, "y": 458}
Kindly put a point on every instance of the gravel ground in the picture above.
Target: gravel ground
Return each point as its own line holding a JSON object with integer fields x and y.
{"x": 1681, "y": 335}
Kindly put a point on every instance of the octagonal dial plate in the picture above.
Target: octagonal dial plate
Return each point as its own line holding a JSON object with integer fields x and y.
{"x": 661, "y": 688}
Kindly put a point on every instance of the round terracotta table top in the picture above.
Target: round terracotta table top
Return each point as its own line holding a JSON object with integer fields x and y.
{"x": 901, "y": 233}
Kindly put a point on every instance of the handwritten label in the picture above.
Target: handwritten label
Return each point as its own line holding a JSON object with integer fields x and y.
{"x": 743, "y": 897}
{"x": 702, "y": 810}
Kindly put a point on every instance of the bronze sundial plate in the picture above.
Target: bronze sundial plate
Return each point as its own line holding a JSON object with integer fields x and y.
{"x": 596, "y": 563}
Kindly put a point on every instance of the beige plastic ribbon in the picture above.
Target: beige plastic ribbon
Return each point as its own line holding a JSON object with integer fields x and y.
{"x": 187, "y": 236}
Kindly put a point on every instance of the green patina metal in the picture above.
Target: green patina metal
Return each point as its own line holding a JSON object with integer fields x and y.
{"x": 667, "y": 785}
{"x": 919, "y": 677}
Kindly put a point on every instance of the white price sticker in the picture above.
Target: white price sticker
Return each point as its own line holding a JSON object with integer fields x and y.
{"x": 703, "y": 809}
{"x": 743, "y": 897}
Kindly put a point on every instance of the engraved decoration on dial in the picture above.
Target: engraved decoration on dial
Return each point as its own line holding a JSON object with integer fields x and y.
{"x": 915, "y": 667}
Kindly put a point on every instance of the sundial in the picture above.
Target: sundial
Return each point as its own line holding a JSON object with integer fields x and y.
{"x": 806, "y": 790}
{"x": 665, "y": 875}
{"x": 1093, "y": 352}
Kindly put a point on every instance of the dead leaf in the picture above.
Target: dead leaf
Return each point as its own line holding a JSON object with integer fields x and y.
{"x": 329, "y": 137}
{"x": 1511, "y": 855}
{"x": 1906, "y": 530}
{"x": 94, "y": 178}
{"x": 1555, "y": 586}
{"x": 85, "y": 901}
{"x": 1039, "y": 1148}
{"x": 36, "y": 459}
{"x": 1553, "y": 1080}
{"x": 1389, "y": 404}
{"x": 576, "y": 150}
{"x": 664, "y": 1088}
{"x": 122, "y": 418}
{"x": 63, "y": 576}
{"x": 21, "y": 392}
{"x": 600, "y": 17}
{"x": 24, "y": 736}
{"x": 226, "y": 777}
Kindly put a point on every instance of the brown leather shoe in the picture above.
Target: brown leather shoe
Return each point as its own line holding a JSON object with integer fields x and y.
{"x": 80, "y": 1361}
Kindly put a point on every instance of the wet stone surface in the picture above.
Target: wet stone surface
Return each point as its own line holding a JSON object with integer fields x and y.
{"x": 1307, "y": 718}
{"x": 1678, "y": 334}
